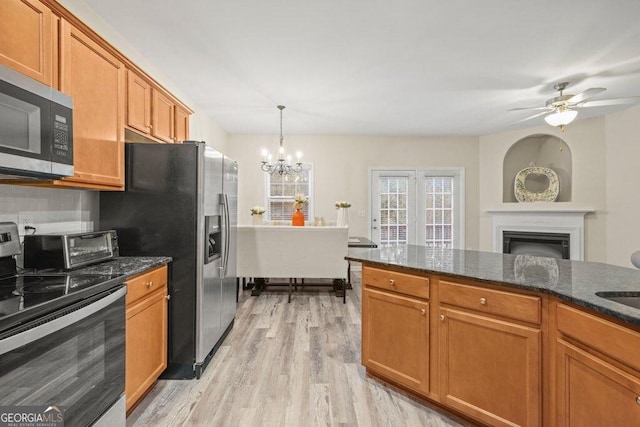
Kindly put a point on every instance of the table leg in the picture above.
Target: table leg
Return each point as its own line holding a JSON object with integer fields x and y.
{"x": 260, "y": 283}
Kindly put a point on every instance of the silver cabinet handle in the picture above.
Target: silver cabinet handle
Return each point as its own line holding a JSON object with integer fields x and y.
{"x": 483, "y": 301}
{"x": 149, "y": 283}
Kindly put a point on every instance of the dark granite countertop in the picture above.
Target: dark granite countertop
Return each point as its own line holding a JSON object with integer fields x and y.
{"x": 126, "y": 266}
{"x": 573, "y": 281}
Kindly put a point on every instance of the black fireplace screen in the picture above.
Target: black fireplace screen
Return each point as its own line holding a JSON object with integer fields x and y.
{"x": 554, "y": 245}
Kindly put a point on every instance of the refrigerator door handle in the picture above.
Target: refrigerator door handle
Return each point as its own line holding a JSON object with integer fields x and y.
{"x": 227, "y": 231}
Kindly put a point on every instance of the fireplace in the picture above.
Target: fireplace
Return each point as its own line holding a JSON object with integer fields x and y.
{"x": 542, "y": 220}
{"x": 553, "y": 245}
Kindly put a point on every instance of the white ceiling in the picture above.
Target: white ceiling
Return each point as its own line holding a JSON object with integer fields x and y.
{"x": 383, "y": 67}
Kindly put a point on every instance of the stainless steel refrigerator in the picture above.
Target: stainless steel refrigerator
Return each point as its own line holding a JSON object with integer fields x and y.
{"x": 181, "y": 201}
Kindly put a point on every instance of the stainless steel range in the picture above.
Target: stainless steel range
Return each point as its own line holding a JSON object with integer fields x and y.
{"x": 62, "y": 340}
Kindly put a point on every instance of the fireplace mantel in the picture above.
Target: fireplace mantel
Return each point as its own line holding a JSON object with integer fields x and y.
{"x": 543, "y": 218}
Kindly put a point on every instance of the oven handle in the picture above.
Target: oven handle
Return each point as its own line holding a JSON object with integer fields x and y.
{"x": 31, "y": 335}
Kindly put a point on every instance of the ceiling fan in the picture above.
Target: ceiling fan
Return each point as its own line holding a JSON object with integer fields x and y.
{"x": 563, "y": 109}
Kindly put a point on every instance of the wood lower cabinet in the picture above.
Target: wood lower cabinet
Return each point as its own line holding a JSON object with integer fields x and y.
{"x": 96, "y": 80}
{"x": 395, "y": 327}
{"x": 27, "y": 38}
{"x": 146, "y": 333}
{"x": 490, "y": 368}
{"x": 597, "y": 376}
{"x": 395, "y": 338}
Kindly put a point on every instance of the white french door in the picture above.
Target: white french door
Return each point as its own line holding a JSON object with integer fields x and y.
{"x": 393, "y": 206}
{"x": 418, "y": 206}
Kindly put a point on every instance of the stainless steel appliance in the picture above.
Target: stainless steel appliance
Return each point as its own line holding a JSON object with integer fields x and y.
{"x": 36, "y": 129}
{"x": 180, "y": 201}
{"x": 62, "y": 340}
{"x": 69, "y": 251}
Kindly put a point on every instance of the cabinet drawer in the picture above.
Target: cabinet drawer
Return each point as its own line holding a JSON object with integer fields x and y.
{"x": 606, "y": 337}
{"x": 507, "y": 304}
{"x": 397, "y": 282}
{"x": 146, "y": 283}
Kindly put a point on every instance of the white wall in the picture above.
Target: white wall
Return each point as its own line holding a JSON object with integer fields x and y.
{"x": 341, "y": 170}
{"x": 623, "y": 191}
{"x": 586, "y": 139}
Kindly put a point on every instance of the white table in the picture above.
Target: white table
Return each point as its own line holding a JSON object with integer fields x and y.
{"x": 293, "y": 252}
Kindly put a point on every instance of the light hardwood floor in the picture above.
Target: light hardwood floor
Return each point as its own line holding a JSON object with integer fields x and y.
{"x": 285, "y": 364}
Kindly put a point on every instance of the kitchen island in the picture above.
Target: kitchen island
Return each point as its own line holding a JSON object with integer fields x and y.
{"x": 503, "y": 339}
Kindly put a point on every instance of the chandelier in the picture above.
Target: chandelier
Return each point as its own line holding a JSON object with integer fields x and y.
{"x": 283, "y": 165}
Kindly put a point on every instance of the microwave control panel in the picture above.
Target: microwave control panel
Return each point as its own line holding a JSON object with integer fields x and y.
{"x": 62, "y": 141}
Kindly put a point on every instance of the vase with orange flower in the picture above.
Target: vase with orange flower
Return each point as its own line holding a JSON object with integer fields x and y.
{"x": 297, "y": 219}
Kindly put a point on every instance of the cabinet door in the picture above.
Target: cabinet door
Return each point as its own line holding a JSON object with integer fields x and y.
{"x": 27, "y": 34}
{"x": 138, "y": 102}
{"x": 163, "y": 117}
{"x": 395, "y": 338}
{"x": 95, "y": 79}
{"x": 490, "y": 369}
{"x": 146, "y": 345}
{"x": 592, "y": 392}
{"x": 182, "y": 125}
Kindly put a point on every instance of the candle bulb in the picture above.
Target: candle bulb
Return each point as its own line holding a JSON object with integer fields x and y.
{"x": 264, "y": 154}
{"x": 299, "y": 156}
{"x": 281, "y": 154}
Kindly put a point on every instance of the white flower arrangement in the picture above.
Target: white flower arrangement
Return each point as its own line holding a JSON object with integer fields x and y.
{"x": 257, "y": 210}
{"x": 300, "y": 199}
{"x": 342, "y": 204}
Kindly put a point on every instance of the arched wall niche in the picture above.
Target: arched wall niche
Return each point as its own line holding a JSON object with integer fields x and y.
{"x": 542, "y": 150}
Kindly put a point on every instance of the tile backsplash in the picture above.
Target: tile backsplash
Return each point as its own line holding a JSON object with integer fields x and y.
{"x": 49, "y": 209}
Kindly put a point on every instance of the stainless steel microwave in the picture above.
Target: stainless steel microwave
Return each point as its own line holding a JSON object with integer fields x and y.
{"x": 36, "y": 129}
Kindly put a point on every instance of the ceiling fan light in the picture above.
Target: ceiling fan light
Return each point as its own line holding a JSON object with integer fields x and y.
{"x": 561, "y": 118}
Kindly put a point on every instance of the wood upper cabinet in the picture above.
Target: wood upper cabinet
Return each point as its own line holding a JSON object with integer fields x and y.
{"x": 138, "y": 102}
{"x": 597, "y": 377}
{"x": 27, "y": 38}
{"x": 395, "y": 332}
{"x": 182, "y": 125}
{"x": 96, "y": 80}
{"x": 146, "y": 333}
{"x": 163, "y": 109}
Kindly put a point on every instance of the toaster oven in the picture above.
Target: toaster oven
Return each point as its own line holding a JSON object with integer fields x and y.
{"x": 69, "y": 251}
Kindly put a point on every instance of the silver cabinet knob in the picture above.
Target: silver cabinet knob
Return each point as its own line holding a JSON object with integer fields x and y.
{"x": 442, "y": 317}
{"x": 483, "y": 301}
{"x": 149, "y": 283}
{"x": 423, "y": 311}
{"x": 168, "y": 297}
{"x": 392, "y": 282}
{"x": 638, "y": 400}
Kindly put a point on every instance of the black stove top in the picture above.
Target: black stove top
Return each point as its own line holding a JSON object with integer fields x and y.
{"x": 24, "y": 297}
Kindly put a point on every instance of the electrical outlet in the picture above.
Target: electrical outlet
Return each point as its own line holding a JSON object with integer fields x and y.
{"x": 24, "y": 220}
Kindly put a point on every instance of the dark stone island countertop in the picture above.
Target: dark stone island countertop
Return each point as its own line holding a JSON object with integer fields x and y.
{"x": 126, "y": 266}
{"x": 573, "y": 281}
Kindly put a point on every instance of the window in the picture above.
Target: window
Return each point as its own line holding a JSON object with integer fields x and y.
{"x": 439, "y": 208}
{"x": 281, "y": 191}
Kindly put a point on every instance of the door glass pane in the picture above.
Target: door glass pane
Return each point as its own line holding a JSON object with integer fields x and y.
{"x": 438, "y": 211}
{"x": 393, "y": 209}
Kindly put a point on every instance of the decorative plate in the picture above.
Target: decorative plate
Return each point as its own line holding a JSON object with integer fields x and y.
{"x": 549, "y": 194}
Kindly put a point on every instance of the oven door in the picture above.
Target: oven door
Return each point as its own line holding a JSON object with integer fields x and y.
{"x": 74, "y": 359}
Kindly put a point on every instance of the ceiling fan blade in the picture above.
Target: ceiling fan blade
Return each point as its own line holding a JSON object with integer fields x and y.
{"x": 530, "y": 108}
{"x": 532, "y": 117}
{"x": 576, "y": 99}
{"x": 613, "y": 101}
